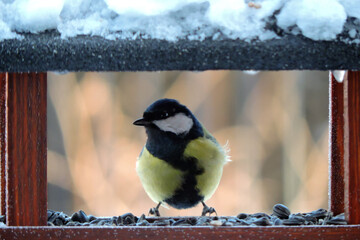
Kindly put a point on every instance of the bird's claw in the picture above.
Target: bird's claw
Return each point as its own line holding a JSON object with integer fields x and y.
{"x": 155, "y": 211}
{"x": 209, "y": 210}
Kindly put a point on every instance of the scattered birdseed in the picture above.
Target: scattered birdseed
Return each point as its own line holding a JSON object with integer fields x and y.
{"x": 280, "y": 216}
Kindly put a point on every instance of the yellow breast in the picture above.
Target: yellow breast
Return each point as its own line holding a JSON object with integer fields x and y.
{"x": 159, "y": 179}
{"x": 211, "y": 157}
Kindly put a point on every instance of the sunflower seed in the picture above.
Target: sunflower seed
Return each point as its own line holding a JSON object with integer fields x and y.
{"x": 242, "y": 216}
{"x": 79, "y": 216}
{"x": 281, "y": 211}
{"x": 264, "y": 221}
{"x": 320, "y": 213}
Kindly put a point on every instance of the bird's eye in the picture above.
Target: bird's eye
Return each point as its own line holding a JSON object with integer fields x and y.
{"x": 164, "y": 115}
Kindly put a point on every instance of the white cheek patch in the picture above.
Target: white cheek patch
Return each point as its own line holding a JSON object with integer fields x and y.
{"x": 178, "y": 124}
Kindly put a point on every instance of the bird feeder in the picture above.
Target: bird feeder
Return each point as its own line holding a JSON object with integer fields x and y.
{"x": 23, "y": 89}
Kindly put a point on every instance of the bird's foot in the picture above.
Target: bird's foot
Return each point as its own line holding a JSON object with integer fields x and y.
{"x": 155, "y": 211}
{"x": 208, "y": 210}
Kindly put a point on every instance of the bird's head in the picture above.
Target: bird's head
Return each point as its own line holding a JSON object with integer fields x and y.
{"x": 168, "y": 115}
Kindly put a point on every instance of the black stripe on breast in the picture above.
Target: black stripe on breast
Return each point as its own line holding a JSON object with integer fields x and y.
{"x": 187, "y": 195}
{"x": 170, "y": 148}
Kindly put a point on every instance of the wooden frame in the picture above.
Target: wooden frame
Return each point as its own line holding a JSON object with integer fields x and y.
{"x": 24, "y": 183}
{"x": 23, "y": 148}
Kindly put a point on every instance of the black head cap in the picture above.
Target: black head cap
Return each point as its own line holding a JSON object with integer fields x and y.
{"x": 162, "y": 109}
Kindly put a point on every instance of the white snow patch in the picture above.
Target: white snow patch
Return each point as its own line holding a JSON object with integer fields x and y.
{"x": 251, "y": 72}
{"x": 147, "y": 7}
{"x": 34, "y": 15}
{"x": 176, "y": 19}
{"x": 339, "y": 75}
{"x": 352, "y": 33}
{"x": 352, "y": 7}
{"x": 318, "y": 20}
{"x": 5, "y": 31}
{"x": 238, "y": 20}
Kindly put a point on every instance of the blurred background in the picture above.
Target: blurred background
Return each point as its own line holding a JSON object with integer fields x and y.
{"x": 276, "y": 124}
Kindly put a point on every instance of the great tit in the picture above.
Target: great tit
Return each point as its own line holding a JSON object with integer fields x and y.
{"x": 181, "y": 163}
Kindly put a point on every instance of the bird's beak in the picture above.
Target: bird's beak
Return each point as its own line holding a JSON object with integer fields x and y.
{"x": 141, "y": 122}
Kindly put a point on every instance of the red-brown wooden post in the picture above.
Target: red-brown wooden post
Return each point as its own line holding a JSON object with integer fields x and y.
{"x": 352, "y": 146}
{"x": 26, "y": 179}
{"x": 3, "y": 89}
{"x": 336, "y": 147}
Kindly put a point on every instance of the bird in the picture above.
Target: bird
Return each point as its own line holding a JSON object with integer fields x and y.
{"x": 181, "y": 163}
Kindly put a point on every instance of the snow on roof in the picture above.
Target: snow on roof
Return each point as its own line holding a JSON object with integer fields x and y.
{"x": 182, "y": 19}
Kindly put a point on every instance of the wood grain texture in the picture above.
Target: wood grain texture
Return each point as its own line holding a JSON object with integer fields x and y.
{"x": 26, "y": 182}
{"x": 352, "y": 146}
{"x": 336, "y": 146}
{"x": 111, "y": 233}
{"x": 3, "y": 89}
